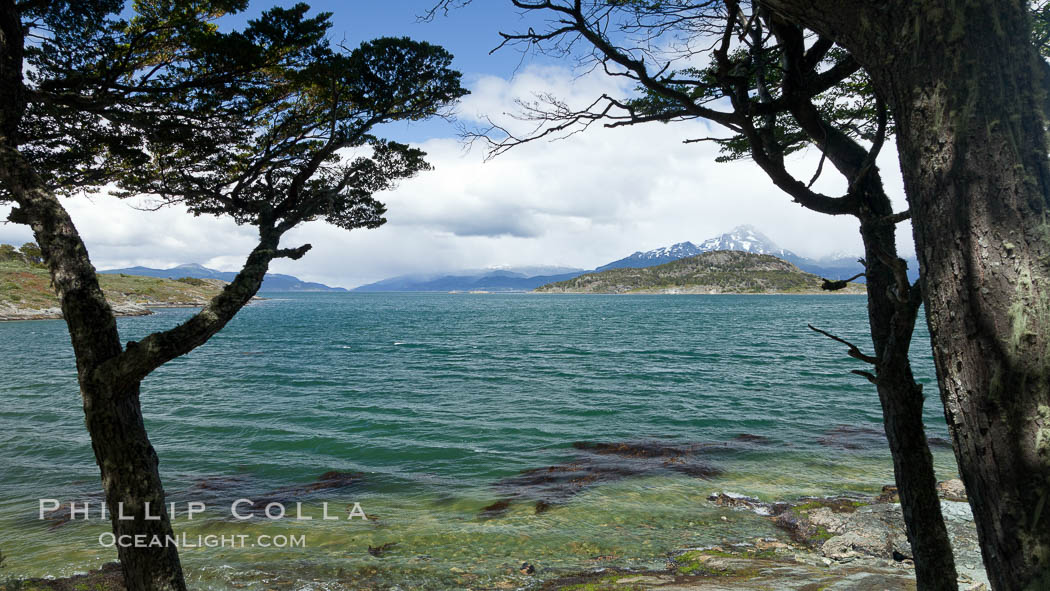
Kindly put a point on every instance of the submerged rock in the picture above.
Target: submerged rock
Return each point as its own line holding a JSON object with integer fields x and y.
{"x": 853, "y": 437}
{"x": 225, "y": 487}
{"x": 750, "y": 438}
{"x": 599, "y": 462}
{"x": 496, "y": 509}
{"x": 333, "y": 479}
{"x": 379, "y": 551}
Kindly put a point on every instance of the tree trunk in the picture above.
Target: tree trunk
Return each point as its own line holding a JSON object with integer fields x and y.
{"x": 974, "y": 157}
{"x": 964, "y": 82}
{"x": 892, "y": 307}
{"x": 112, "y": 412}
{"x": 892, "y": 321}
{"x": 131, "y": 482}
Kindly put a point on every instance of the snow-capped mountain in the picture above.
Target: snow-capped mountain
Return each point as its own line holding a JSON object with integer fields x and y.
{"x": 655, "y": 257}
{"x": 746, "y": 239}
{"x": 839, "y": 265}
{"x": 742, "y": 238}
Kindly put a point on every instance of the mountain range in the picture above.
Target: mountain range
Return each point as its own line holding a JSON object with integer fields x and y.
{"x": 273, "y": 282}
{"x": 741, "y": 238}
{"x": 715, "y": 271}
{"x": 514, "y": 279}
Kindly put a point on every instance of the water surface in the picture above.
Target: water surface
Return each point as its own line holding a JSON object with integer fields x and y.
{"x": 441, "y": 401}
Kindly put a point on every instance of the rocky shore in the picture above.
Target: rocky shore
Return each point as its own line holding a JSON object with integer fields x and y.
{"x": 842, "y": 544}
{"x": 26, "y": 293}
{"x": 831, "y": 544}
{"x": 9, "y": 312}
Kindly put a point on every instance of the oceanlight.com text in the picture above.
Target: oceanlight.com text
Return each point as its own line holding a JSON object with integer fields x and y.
{"x": 110, "y": 540}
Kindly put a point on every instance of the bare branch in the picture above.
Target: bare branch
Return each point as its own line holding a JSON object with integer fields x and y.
{"x": 835, "y": 285}
{"x": 853, "y": 352}
{"x": 891, "y": 219}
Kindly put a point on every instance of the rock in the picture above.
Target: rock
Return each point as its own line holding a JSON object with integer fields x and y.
{"x": 853, "y": 437}
{"x": 130, "y": 309}
{"x": 952, "y": 490}
{"x": 379, "y": 551}
{"x": 597, "y": 463}
{"x": 875, "y": 531}
{"x": 889, "y": 495}
{"x": 495, "y": 509}
{"x": 957, "y": 511}
{"x": 750, "y": 438}
{"x": 812, "y": 522}
{"x": 736, "y": 501}
{"x": 109, "y": 577}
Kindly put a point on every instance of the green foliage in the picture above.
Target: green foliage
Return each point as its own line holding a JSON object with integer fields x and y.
{"x": 90, "y": 76}
{"x": 187, "y": 280}
{"x": 848, "y": 105}
{"x": 1040, "y": 11}
{"x": 31, "y": 254}
{"x": 30, "y": 288}
{"x": 296, "y": 145}
{"x": 270, "y": 125}
{"x": 8, "y": 253}
{"x": 28, "y": 254}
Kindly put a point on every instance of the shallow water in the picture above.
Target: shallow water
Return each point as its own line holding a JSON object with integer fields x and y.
{"x": 441, "y": 402}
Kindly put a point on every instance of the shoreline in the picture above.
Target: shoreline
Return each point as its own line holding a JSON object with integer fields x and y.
{"x": 688, "y": 293}
{"x": 846, "y": 543}
{"x": 125, "y": 310}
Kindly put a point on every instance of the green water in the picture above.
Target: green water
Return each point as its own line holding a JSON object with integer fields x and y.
{"x": 441, "y": 402}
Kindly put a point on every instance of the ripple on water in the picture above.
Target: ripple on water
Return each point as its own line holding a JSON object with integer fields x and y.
{"x": 457, "y": 416}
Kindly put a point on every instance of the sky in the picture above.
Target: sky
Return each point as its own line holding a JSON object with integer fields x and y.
{"x": 578, "y": 202}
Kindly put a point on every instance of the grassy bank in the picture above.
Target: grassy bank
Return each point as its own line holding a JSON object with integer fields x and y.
{"x": 26, "y": 292}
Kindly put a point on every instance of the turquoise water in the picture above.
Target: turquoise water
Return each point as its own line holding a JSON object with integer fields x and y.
{"x": 441, "y": 402}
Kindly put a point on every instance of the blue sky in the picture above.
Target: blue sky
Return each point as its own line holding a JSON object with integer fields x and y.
{"x": 469, "y": 33}
{"x": 580, "y": 202}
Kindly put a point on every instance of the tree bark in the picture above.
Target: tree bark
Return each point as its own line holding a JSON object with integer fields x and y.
{"x": 127, "y": 461}
{"x": 145, "y": 543}
{"x": 892, "y": 309}
{"x": 964, "y": 81}
{"x": 112, "y": 413}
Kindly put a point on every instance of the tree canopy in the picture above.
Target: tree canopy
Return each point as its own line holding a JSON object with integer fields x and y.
{"x": 271, "y": 125}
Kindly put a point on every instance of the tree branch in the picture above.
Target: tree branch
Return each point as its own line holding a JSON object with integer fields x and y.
{"x": 853, "y": 352}
{"x": 835, "y": 285}
{"x": 139, "y": 359}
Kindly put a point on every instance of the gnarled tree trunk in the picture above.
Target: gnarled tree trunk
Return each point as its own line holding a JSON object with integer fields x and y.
{"x": 892, "y": 309}
{"x": 964, "y": 81}
{"x": 112, "y": 413}
{"x": 974, "y": 157}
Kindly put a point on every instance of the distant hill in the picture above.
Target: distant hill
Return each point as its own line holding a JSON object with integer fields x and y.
{"x": 710, "y": 272}
{"x": 741, "y": 239}
{"x": 274, "y": 282}
{"x": 26, "y": 292}
{"x": 748, "y": 239}
{"x": 502, "y": 280}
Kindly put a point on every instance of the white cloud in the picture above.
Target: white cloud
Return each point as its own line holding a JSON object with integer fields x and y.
{"x": 583, "y": 201}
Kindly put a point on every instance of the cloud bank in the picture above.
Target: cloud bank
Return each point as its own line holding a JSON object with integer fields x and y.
{"x": 582, "y": 201}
